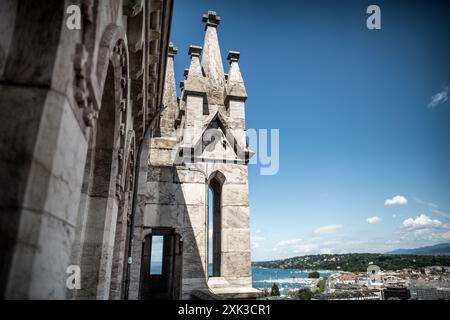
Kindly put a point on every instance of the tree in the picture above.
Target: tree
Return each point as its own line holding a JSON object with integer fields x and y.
{"x": 314, "y": 274}
{"x": 275, "y": 291}
{"x": 321, "y": 284}
{"x": 265, "y": 292}
{"x": 304, "y": 294}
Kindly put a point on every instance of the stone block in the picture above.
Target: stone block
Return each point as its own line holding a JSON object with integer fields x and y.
{"x": 235, "y": 240}
{"x": 60, "y": 156}
{"x": 161, "y": 156}
{"x": 189, "y": 175}
{"x": 240, "y": 281}
{"x": 165, "y": 215}
{"x": 237, "y": 110}
{"x": 235, "y": 217}
{"x": 41, "y": 257}
{"x": 235, "y": 194}
{"x": 175, "y": 193}
{"x": 196, "y": 216}
{"x": 194, "y": 111}
{"x": 191, "y": 284}
{"x": 194, "y": 253}
{"x": 161, "y": 174}
{"x": 236, "y": 263}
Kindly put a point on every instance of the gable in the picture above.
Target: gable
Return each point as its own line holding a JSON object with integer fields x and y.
{"x": 217, "y": 143}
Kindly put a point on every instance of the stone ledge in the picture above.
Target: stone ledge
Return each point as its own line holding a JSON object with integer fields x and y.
{"x": 232, "y": 293}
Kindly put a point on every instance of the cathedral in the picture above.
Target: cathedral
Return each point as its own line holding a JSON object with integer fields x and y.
{"x": 114, "y": 187}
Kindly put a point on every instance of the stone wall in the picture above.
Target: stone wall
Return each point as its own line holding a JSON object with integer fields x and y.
{"x": 54, "y": 82}
{"x": 177, "y": 197}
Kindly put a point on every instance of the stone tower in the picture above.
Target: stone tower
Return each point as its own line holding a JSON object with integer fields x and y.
{"x": 196, "y": 207}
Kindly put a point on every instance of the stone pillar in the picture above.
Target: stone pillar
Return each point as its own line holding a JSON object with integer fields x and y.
{"x": 42, "y": 150}
{"x": 235, "y": 98}
{"x": 194, "y": 95}
{"x": 167, "y": 122}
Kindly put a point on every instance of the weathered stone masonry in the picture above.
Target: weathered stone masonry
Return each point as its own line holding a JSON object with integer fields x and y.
{"x": 74, "y": 107}
{"x": 92, "y": 167}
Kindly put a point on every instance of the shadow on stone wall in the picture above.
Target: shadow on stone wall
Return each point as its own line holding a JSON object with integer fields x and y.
{"x": 167, "y": 206}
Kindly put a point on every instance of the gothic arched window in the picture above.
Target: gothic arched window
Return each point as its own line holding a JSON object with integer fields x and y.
{"x": 215, "y": 223}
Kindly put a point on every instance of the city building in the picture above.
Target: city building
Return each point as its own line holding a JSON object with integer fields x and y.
{"x": 396, "y": 292}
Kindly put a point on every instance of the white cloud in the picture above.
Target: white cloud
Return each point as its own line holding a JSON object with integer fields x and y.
{"x": 257, "y": 238}
{"x": 285, "y": 243}
{"x": 302, "y": 247}
{"x": 429, "y": 204}
{"x": 394, "y": 216}
{"x": 397, "y": 200}
{"x": 421, "y": 222}
{"x": 373, "y": 220}
{"x": 440, "y": 212}
{"x": 421, "y": 231}
{"x": 319, "y": 245}
{"x": 295, "y": 246}
{"x": 328, "y": 229}
{"x": 439, "y": 98}
{"x": 435, "y": 235}
{"x": 255, "y": 245}
{"x": 434, "y": 208}
{"x": 446, "y": 235}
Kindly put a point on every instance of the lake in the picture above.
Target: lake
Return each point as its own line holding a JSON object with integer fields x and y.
{"x": 286, "y": 279}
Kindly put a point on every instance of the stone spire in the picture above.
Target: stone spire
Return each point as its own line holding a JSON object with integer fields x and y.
{"x": 167, "y": 122}
{"x": 212, "y": 60}
{"x": 235, "y": 88}
{"x": 195, "y": 81}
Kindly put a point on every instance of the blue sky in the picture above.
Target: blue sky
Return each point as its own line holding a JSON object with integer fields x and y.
{"x": 363, "y": 116}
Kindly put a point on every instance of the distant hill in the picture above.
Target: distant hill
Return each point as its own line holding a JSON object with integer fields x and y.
{"x": 438, "y": 249}
{"x": 357, "y": 262}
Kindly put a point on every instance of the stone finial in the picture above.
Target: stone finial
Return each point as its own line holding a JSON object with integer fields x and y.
{"x": 212, "y": 61}
{"x": 194, "y": 82}
{"x": 233, "y": 56}
{"x": 235, "y": 87}
{"x": 172, "y": 50}
{"x": 195, "y": 51}
{"x": 167, "y": 120}
{"x": 186, "y": 73}
{"x": 211, "y": 19}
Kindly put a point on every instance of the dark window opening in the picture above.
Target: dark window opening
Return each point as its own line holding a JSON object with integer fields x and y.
{"x": 214, "y": 228}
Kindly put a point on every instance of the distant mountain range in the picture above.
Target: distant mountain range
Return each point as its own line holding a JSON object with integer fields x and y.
{"x": 436, "y": 250}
